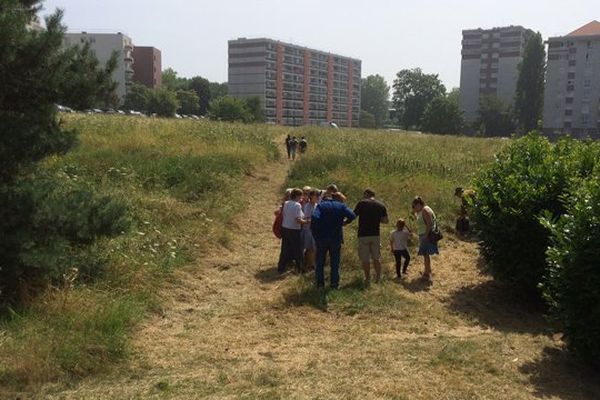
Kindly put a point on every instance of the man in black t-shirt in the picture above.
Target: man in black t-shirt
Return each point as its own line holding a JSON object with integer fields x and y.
{"x": 371, "y": 213}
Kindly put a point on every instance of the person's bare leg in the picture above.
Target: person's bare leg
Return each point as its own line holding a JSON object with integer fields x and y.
{"x": 367, "y": 268}
{"x": 427, "y": 260}
{"x": 377, "y": 265}
{"x": 309, "y": 258}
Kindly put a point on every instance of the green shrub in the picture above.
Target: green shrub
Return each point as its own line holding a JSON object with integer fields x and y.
{"x": 229, "y": 108}
{"x": 527, "y": 179}
{"x": 572, "y": 282}
{"x": 48, "y": 225}
{"x": 163, "y": 102}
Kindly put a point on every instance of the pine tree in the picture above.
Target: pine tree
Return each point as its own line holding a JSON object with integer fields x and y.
{"x": 31, "y": 62}
{"x": 529, "y": 101}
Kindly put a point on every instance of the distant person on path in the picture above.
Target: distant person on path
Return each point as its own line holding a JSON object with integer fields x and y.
{"x": 371, "y": 213}
{"x": 327, "y": 222}
{"x": 303, "y": 145}
{"x": 291, "y": 233}
{"x": 310, "y": 246}
{"x": 426, "y": 224}
{"x": 399, "y": 247}
{"x": 288, "y": 139}
{"x": 293, "y": 147}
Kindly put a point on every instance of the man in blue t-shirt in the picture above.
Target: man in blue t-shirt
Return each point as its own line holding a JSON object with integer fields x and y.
{"x": 327, "y": 223}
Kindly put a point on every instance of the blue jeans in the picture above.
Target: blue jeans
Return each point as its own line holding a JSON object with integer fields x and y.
{"x": 334, "y": 249}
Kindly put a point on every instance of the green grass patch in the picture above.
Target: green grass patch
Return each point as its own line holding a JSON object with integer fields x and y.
{"x": 398, "y": 166}
{"x": 181, "y": 183}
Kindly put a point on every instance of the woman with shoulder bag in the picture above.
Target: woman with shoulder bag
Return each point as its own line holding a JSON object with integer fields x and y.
{"x": 428, "y": 231}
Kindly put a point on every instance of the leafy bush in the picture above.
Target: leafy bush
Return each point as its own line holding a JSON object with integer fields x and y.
{"x": 47, "y": 225}
{"x": 137, "y": 97}
{"x": 527, "y": 179}
{"x": 367, "y": 120}
{"x": 163, "y": 102}
{"x": 188, "y": 102}
{"x": 229, "y": 108}
{"x": 442, "y": 115}
{"x": 572, "y": 282}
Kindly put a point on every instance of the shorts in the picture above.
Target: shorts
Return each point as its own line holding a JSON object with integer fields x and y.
{"x": 426, "y": 247}
{"x": 369, "y": 248}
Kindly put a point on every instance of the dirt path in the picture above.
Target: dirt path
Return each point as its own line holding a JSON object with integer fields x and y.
{"x": 231, "y": 329}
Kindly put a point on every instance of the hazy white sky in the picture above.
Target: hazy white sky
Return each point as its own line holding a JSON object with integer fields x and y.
{"x": 386, "y": 35}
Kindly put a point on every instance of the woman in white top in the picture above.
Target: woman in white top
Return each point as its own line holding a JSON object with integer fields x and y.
{"x": 426, "y": 224}
{"x": 291, "y": 233}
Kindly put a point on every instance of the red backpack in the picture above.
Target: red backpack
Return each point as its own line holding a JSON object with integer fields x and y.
{"x": 277, "y": 223}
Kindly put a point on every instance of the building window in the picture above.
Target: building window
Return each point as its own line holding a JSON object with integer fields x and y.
{"x": 585, "y": 119}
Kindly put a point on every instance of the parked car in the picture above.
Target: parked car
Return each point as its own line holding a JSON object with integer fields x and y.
{"x": 64, "y": 109}
{"x": 136, "y": 113}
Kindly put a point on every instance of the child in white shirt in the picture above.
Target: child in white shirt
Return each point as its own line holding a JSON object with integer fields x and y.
{"x": 399, "y": 246}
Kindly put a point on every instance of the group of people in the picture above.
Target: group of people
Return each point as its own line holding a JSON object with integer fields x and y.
{"x": 312, "y": 223}
{"x": 293, "y": 146}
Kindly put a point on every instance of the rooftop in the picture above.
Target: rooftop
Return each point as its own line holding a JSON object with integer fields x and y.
{"x": 591, "y": 29}
{"x": 312, "y": 49}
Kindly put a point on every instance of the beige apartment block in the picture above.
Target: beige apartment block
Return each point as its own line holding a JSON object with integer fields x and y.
{"x": 103, "y": 45}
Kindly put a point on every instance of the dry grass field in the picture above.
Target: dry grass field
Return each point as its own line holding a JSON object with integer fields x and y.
{"x": 224, "y": 325}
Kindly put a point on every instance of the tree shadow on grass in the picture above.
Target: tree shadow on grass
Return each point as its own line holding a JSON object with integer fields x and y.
{"x": 499, "y": 306}
{"x": 558, "y": 374}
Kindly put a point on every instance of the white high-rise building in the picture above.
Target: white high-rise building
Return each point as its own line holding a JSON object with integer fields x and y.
{"x": 572, "y": 94}
{"x": 102, "y": 46}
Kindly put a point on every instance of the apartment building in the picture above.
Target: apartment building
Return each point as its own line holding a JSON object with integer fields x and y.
{"x": 147, "y": 69}
{"x": 490, "y": 60}
{"x": 102, "y": 46}
{"x": 296, "y": 85}
{"x": 572, "y": 95}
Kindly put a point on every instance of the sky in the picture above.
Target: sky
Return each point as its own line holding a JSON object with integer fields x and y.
{"x": 386, "y": 35}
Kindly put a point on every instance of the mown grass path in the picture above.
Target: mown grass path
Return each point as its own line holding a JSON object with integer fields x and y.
{"x": 230, "y": 328}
